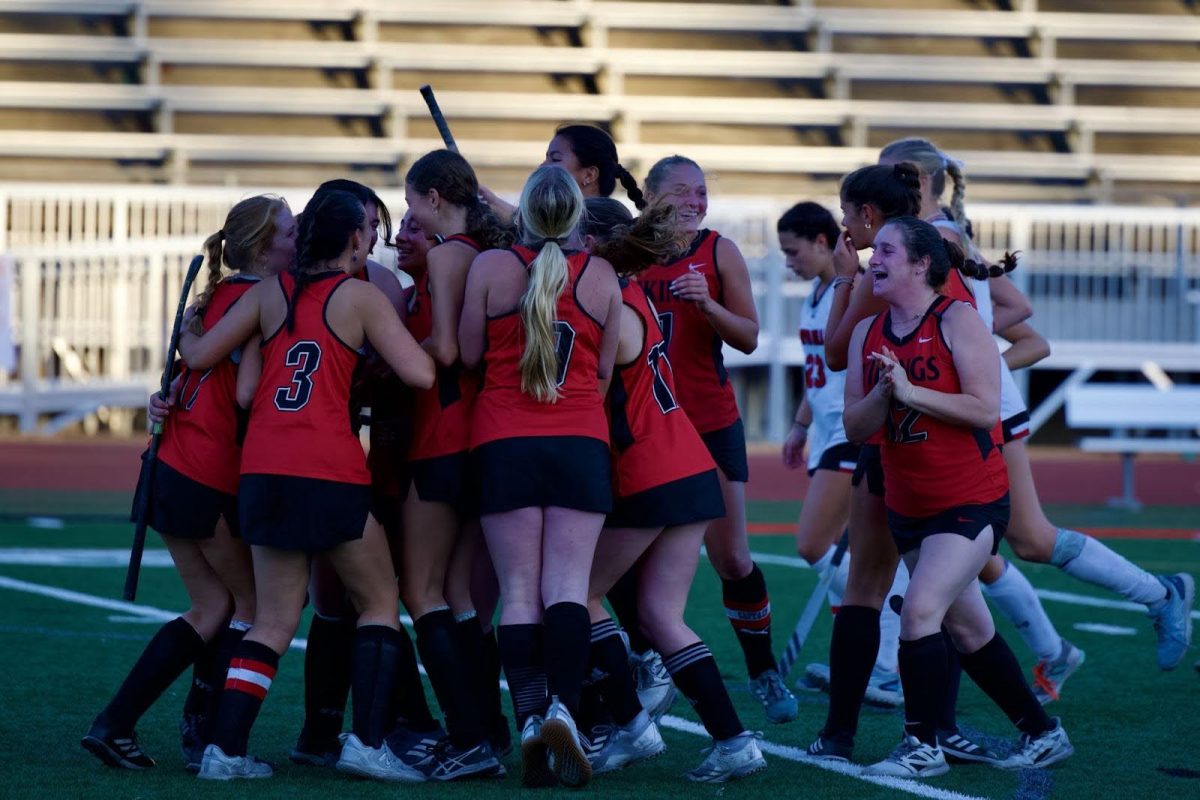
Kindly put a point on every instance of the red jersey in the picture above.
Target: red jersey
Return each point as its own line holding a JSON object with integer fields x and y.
{"x": 693, "y": 346}
{"x": 930, "y": 465}
{"x": 654, "y": 442}
{"x": 200, "y": 436}
{"x": 442, "y": 414}
{"x": 300, "y": 422}
{"x": 956, "y": 288}
{"x": 503, "y": 411}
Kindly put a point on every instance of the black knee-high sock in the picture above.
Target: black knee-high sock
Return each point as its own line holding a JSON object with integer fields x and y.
{"x": 328, "y": 665}
{"x": 436, "y": 640}
{"x": 853, "y": 648}
{"x": 923, "y": 674}
{"x": 409, "y": 706}
{"x": 610, "y": 660}
{"x": 376, "y": 662}
{"x": 623, "y": 597}
{"x": 173, "y": 649}
{"x": 251, "y": 671}
{"x": 522, "y": 651}
{"x": 207, "y": 675}
{"x": 948, "y": 715}
{"x": 469, "y": 636}
{"x": 749, "y": 610}
{"x": 994, "y": 669}
{"x": 568, "y": 646}
{"x": 490, "y": 693}
{"x": 695, "y": 673}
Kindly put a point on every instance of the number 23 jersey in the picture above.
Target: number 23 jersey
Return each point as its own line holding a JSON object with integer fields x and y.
{"x": 825, "y": 390}
{"x": 931, "y": 465}
{"x": 503, "y": 410}
{"x": 300, "y": 419}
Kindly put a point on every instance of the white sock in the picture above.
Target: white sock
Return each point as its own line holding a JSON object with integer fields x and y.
{"x": 1013, "y": 595}
{"x": 1082, "y": 557}
{"x": 889, "y": 624}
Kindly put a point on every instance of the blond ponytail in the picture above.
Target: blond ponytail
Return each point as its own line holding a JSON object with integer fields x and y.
{"x": 550, "y": 209}
{"x": 958, "y": 196}
{"x": 214, "y": 255}
{"x": 539, "y": 361}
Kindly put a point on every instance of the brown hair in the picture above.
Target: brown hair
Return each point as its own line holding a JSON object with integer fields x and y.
{"x": 455, "y": 181}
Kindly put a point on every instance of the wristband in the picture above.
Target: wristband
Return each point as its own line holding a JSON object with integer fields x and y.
{"x": 839, "y": 281}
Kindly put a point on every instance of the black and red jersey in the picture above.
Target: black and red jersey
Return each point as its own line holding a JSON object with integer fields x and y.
{"x": 504, "y": 411}
{"x": 200, "y": 436}
{"x": 442, "y": 414}
{"x": 929, "y": 464}
{"x": 653, "y": 441}
{"x": 300, "y": 423}
{"x": 693, "y": 346}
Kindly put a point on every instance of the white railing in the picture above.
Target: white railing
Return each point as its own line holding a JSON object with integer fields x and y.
{"x": 98, "y": 270}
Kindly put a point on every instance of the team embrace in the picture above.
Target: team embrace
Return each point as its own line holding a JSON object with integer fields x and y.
{"x": 552, "y": 425}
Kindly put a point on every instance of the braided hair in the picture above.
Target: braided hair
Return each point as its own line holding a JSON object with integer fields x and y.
{"x": 593, "y": 147}
{"x": 631, "y": 245}
{"x": 893, "y": 189}
{"x": 922, "y": 239}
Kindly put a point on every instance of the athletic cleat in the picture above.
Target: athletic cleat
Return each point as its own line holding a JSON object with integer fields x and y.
{"x": 316, "y": 752}
{"x": 561, "y": 738}
{"x": 884, "y": 689}
{"x": 191, "y": 740}
{"x": 379, "y": 763}
{"x": 1173, "y": 621}
{"x": 911, "y": 759}
{"x": 1049, "y": 676}
{"x": 418, "y": 750}
{"x": 216, "y": 766}
{"x": 656, "y": 692}
{"x": 478, "y": 761}
{"x": 116, "y": 749}
{"x": 1035, "y": 752}
{"x": 730, "y": 759}
{"x": 594, "y": 740}
{"x": 777, "y": 700}
{"x": 634, "y": 742}
{"x": 956, "y": 747}
{"x": 831, "y": 748}
{"x": 535, "y": 766}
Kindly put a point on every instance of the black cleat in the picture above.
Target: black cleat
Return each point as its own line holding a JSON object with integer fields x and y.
{"x": 115, "y": 748}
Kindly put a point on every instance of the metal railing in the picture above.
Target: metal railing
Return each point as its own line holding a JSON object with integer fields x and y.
{"x": 98, "y": 269}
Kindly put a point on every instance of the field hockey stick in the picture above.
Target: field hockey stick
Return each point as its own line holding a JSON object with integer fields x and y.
{"x": 439, "y": 119}
{"x": 146, "y": 477}
{"x": 812, "y": 609}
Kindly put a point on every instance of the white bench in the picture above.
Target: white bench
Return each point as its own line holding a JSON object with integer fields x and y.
{"x": 1125, "y": 409}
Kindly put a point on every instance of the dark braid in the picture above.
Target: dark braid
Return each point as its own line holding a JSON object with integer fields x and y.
{"x": 325, "y": 227}
{"x": 631, "y": 188}
{"x": 632, "y": 247}
{"x": 893, "y": 189}
{"x": 365, "y": 194}
{"x": 486, "y": 228}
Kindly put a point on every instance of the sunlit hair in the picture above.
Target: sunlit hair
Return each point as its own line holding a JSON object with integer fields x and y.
{"x": 658, "y": 172}
{"x": 632, "y": 244}
{"x": 551, "y": 208}
{"x": 241, "y": 243}
{"x": 937, "y": 165}
{"x": 451, "y": 175}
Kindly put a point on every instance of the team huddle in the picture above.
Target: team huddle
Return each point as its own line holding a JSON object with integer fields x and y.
{"x": 551, "y": 426}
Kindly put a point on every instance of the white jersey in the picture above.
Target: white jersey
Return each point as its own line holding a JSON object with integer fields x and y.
{"x": 1012, "y": 405}
{"x": 824, "y": 389}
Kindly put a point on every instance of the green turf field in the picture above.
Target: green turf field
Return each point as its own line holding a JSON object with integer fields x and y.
{"x": 61, "y": 656}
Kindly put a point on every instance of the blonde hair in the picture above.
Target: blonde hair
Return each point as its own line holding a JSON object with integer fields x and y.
{"x": 551, "y": 207}
{"x": 248, "y": 231}
{"x": 937, "y": 165}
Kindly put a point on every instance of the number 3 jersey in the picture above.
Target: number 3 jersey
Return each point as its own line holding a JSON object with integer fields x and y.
{"x": 654, "y": 442}
{"x": 503, "y": 410}
{"x": 200, "y": 436}
{"x": 300, "y": 420}
{"x": 931, "y": 465}
{"x": 825, "y": 390}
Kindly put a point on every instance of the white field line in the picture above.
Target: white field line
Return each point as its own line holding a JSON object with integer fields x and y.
{"x": 117, "y": 557}
{"x": 676, "y": 723}
{"x": 1109, "y": 630}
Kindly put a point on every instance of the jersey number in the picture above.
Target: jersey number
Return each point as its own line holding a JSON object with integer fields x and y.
{"x": 903, "y": 433}
{"x": 814, "y": 371}
{"x": 305, "y": 357}
{"x": 656, "y": 359}
{"x": 564, "y": 343}
{"x": 188, "y": 394}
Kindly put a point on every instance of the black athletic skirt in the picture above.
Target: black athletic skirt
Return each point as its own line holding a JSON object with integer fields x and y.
{"x": 447, "y": 479}
{"x": 182, "y": 507}
{"x": 542, "y": 471}
{"x": 306, "y": 514}
{"x": 727, "y": 446}
{"x": 870, "y": 467}
{"x": 693, "y": 499}
{"x": 967, "y": 521}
